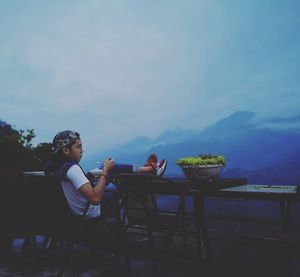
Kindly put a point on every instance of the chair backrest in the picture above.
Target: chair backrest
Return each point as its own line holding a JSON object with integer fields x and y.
{"x": 46, "y": 200}
{"x": 13, "y": 210}
{"x": 138, "y": 193}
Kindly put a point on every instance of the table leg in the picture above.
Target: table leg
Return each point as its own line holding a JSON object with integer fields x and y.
{"x": 285, "y": 208}
{"x": 202, "y": 238}
{"x": 185, "y": 243}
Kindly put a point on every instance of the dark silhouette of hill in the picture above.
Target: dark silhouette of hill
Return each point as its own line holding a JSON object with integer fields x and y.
{"x": 17, "y": 152}
{"x": 259, "y": 153}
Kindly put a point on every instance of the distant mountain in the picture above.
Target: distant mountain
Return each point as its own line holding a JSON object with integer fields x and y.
{"x": 128, "y": 152}
{"x": 287, "y": 173}
{"x": 294, "y": 119}
{"x": 252, "y": 151}
{"x": 174, "y": 136}
{"x": 243, "y": 144}
{"x": 235, "y": 121}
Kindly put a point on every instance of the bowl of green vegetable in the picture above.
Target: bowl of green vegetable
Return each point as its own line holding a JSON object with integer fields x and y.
{"x": 202, "y": 166}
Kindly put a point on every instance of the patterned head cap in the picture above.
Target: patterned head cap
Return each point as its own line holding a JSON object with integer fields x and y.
{"x": 64, "y": 138}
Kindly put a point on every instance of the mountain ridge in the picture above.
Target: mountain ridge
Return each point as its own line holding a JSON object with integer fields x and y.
{"x": 248, "y": 148}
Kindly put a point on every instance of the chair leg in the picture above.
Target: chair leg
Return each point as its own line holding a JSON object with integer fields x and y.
{"x": 29, "y": 242}
{"x": 6, "y": 251}
{"x": 170, "y": 239}
{"x": 26, "y": 245}
{"x": 127, "y": 261}
{"x": 125, "y": 252}
{"x": 54, "y": 244}
{"x": 149, "y": 229}
{"x": 65, "y": 261}
{"x": 151, "y": 243}
{"x": 40, "y": 255}
{"x": 43, "y": 248}
{"x": 166, "y": 259}
{"x": 184, "y": 232}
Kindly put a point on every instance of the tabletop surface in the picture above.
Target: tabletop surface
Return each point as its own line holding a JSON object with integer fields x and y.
{"x": 263, "y": 188}
{"x": 238, "y": 188}
{"x": 224, "y": 186}
{"x": 33, "y": 173}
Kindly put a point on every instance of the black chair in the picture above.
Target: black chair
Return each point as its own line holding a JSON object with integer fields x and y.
{"x": 52, "y": 218}
{"x": 139, "y": 194}
{"x": 13, "y": 215}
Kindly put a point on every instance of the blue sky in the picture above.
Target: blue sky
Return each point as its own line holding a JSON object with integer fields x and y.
{"x": 114, "y": 70}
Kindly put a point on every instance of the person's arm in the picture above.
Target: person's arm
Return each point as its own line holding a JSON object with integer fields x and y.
{"x": 94, "y": 195}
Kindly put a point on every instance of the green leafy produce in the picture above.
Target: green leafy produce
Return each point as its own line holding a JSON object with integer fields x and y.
{"x": 201, "y": 160}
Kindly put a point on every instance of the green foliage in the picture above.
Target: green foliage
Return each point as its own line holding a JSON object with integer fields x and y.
{"x": 43, "y": 151}
{"x": 17, "y": 150}
{"x": 9, "y": 139}
{"x": 8, "y": 136}
{"x": 25, "y": 138}
{"x": 206, "y": 159}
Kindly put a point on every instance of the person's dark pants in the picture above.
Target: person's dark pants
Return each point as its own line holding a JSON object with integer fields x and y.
{"x": 122, "y": 168}
{"x": 107, "y": 203}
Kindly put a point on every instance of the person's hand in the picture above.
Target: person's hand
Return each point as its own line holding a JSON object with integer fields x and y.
{"x": 108, "y": 165}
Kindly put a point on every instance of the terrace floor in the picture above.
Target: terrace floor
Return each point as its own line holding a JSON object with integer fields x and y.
{"x": 232, "y": 255}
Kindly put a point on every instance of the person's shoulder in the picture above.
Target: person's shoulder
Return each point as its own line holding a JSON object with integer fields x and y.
{"x": 75, "y": 174}
{"x": 75, "y": 169}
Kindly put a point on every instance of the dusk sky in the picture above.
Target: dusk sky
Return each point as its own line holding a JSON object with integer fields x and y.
{"x": 115, "y": 70}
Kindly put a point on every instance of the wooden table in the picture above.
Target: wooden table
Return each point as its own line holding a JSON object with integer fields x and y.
{"x": 235, "y": 188}
{"x": 286, "y": 195}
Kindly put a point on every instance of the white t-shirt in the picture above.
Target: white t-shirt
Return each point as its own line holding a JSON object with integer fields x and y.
{"x": 78, "y": 203}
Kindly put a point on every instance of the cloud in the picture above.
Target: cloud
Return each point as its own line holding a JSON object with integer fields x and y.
{"x": 115, "y": 70}
{"x": 125, "y": 71}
